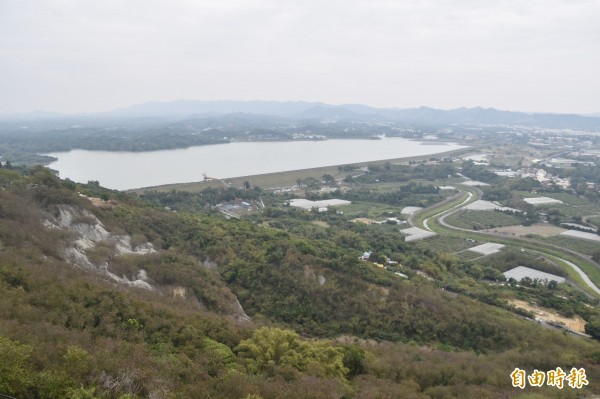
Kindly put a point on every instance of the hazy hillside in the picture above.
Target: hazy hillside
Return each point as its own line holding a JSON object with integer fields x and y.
{"x": 182, "y": 124}
{"x": 293, "y": 110}
{"x": 423, "y": 115}
{"x": 184, "y": 108}
{"x": 116, "y": 298}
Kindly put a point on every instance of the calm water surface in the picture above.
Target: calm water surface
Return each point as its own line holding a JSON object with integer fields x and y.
{"x": 127, "y": 170}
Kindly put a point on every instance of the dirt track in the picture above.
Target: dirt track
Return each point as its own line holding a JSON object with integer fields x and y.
{"x": 575, "y": 323}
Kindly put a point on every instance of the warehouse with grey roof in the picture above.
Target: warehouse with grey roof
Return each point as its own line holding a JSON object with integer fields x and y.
{"x": 521, "y": 272}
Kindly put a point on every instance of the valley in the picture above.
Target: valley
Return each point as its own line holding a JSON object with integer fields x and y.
{"x": 299, "y": 200}
{"x": 378, "y": 276}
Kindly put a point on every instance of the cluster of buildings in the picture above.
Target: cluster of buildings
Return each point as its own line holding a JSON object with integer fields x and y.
{"x": 541, "y": 175}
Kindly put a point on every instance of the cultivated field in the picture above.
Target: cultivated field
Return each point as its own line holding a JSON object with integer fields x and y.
{"x": 572, "y": 204}
{"x": 371, "y": 210}
{"x": 479, "y": 220}
{"x": 583, "y": 246}
{"x": 543, "y": 230}
{"x": 595, "y": 220}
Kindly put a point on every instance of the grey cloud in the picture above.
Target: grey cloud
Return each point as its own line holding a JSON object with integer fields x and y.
{"x": 84, "y": 55}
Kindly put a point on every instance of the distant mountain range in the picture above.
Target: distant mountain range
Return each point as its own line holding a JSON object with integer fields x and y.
{"x": 182, "y": 109}
{"x": 358, "y": 112}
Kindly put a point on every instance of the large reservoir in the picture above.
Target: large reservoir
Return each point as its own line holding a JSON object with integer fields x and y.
{"x": 128, "y": 170}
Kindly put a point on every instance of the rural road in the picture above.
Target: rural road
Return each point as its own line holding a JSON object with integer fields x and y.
{"x": 583, "y": 275}
{"x": 441, "y": 219}
{"x": 448, "y": 211}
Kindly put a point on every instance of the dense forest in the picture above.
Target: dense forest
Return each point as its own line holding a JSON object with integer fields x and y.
{"x": 314, "y": 321}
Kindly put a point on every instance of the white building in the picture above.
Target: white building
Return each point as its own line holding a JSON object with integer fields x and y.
{"x": 521, "y": 272}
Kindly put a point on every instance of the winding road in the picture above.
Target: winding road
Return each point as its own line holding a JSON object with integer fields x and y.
{"x": 473, "y": 194}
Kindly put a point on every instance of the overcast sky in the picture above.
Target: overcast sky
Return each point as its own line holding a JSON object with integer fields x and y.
{"x": 97, "y": 55}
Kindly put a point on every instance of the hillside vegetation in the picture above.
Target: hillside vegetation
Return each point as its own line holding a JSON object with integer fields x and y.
{"x": 316, "y": 321}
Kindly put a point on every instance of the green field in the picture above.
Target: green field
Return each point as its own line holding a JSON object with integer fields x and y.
{"x": 595, "y": 220}
{"x": 587, "y": 247}
{"x": 591, "y": 270}
{"x": 286, "y": 178}
{"x": 480, "y": 220}
{"x": 371, "y": 210}
{"x": 573, "y": 205}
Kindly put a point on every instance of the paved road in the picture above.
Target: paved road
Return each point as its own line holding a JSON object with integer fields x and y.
{"x": 450, "y": 211}
{"x": 583, "y": 275}
{"x": 441, "y": 219}
{"x": 411, "y": 217}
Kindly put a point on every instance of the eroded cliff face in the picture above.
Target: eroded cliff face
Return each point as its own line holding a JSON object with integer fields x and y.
{"x": 89, "y": 231}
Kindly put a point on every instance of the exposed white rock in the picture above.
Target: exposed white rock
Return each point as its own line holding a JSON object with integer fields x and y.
{"x": 145, "y": 248}
{"x": 142, "y": 275}
{"x": 47, "y": 223}
{"x": 89, "y": 231}
{"x": 240, "y": 313}
{"x": 142, "y": 284}
{"x": 123, "y": 246}
{"x": 139, "y": 283}
{"x": 209, "y": 264}
{"x": 76, "y": 256}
